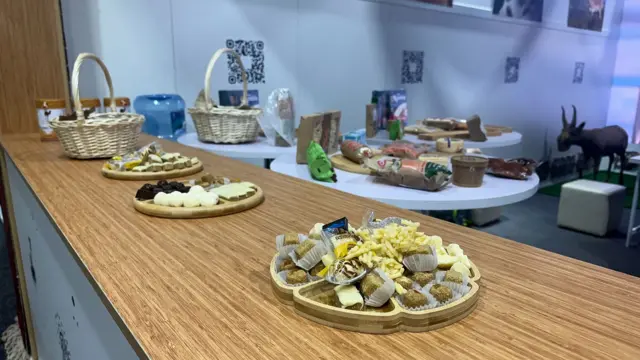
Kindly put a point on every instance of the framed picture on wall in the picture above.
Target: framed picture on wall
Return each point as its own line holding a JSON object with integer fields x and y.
{"x": 586, "y": 14}
{"x": 519, "y": 9}
{"x": 448, "y": 3}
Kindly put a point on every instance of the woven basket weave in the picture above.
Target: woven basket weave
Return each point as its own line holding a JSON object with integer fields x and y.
{"x": 101, "y": 135}
{"x": 225, "y": 124}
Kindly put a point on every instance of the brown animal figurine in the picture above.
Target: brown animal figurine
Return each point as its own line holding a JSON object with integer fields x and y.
{"x": 595, "y": 143}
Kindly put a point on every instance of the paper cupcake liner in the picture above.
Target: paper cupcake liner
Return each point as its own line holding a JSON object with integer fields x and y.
{"x": 440, "y": 276}
{"x": 421, "y": 262}
{"x": 312, "y": 257}
{"x": 455, "y": 297}
{"x": 284, "y": 250}
{"x": 383, "y": 293}
{"x": 457, "y": 288}
{"x": 279, "y": 261}
{"x": 283, "y": 276}
{"x": 431, "y": 303}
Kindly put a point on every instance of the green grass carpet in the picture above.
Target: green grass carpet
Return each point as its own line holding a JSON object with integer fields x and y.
{"x": 629, "y": 182}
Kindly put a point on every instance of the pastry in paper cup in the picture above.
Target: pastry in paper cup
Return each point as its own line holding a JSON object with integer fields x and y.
{"x": 286, "y": 243}
{"x": 420, "y": 259}
{"x": 294, "y": 277}
{"x": 414, "y": 300}
{"x": 422, "y": 279}
{"x": 455, "y": 281}
{"x": 308, "y": 253}
{"x": 284, "y": 263}
{"x": 441, "y": 293}
{"x": 377, "y": 288}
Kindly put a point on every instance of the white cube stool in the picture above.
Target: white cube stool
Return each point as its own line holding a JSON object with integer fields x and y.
{"x": 484, "y": 216}
{"x": 591, "y": 206}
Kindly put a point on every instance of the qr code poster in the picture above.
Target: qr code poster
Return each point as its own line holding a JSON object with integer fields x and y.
{"x": 412, "y": 65}
{"x": 252, "y": 53}
{"x": 578, "y": 72}
{"x": 511, "y": 70}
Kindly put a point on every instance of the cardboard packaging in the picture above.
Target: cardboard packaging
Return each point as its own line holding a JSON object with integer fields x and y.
{"x": 323, "y": 128}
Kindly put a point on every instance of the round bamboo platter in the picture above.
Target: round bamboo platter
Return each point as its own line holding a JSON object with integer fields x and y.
{"x": 385, "y": 320}
{"x": 339, "y": 161}
{"x": 224, "y": 207}
{"x": 156, "y": 175}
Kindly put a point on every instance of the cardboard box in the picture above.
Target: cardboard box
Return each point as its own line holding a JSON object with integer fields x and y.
{"x": 323, "y": 128}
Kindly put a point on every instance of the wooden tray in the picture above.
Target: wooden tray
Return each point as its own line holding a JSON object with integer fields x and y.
{"x": 224, "y": 207}
{"x": 157, "y": 175}
{"x": 388, "y": 319}
{"x": 339, "y": 161}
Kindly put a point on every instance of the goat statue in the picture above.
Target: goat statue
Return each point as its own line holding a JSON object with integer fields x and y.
{"x": 595, "y": 143}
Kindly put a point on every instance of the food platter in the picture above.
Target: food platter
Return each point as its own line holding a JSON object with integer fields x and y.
{"x": 158, "y": 175}
{"x": 249, "y": 197}
{"x": 150, "y": 162}
{"x": 385, "y": 276}
{"x": 388, "y": 319}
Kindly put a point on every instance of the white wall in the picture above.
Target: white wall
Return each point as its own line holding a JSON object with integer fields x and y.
{"x": 624, "y": 104}
{"x": 332, "y": 53}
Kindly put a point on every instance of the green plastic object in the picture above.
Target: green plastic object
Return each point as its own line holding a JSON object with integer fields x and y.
{"x": 395, "y": 130}
{"x": 319, "y": 164}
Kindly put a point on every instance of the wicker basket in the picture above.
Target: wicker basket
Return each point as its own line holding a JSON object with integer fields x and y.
{"x": 225, "y": 124}
{"x": 468, "y": 171}
{"x": 100, "y": 135}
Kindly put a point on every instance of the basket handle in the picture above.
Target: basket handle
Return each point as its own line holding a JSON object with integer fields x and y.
{"x": 207, "y": 77}
{"x": 75, "y": 78}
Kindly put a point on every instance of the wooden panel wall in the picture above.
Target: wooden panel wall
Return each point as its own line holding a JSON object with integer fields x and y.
{"x": 32, "y": 64}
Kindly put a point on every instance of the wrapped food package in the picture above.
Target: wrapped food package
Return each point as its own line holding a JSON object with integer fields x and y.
{"x": 322, "y": 128}
{"x": 414, "y": 174}
{"x": 405, "y": 149}
{"x": 355, "y": 151}
{"x": 518, "y": 169}
{"x": 396, "y": 130}
{"x": 278, "y": 122}
{"x": 319, "y": 164}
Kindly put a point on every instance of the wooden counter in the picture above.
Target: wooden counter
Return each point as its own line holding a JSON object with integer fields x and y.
{"x": 200, "y": 289}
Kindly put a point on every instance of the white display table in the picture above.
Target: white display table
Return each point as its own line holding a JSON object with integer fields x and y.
{"x": 494, "y": 191}
{"x": 255, "y": 150}
{"x": 503, "y": 140}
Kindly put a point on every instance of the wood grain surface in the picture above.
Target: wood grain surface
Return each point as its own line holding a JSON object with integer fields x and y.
{"x": 200, "y": 289}
{"x": 33, "y": 63}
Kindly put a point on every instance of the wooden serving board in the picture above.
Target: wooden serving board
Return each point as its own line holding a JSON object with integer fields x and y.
{"x": 503, "y": 129}
{"x": 224, "y": 207}
{"x": 339, "y": 161}
{"x": 458, "y": 134}
{"x": 388, "y": 319}
{"x": 157, "y": 175}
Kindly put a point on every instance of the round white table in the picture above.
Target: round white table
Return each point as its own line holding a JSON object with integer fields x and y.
{"x": 506, "y": 139}
{"x": 494, "y": 191}
{"x": 259, "y": 149}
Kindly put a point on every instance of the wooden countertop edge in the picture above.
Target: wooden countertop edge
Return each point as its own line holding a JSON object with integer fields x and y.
{"x": 120, "y": 322}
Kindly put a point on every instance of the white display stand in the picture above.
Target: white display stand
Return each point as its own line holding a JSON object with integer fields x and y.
{"x": 631, "y": 230}
{"x": 494, "y": 191}
{"x": 259, "y": 149}
{"x": 507, "y": 139}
